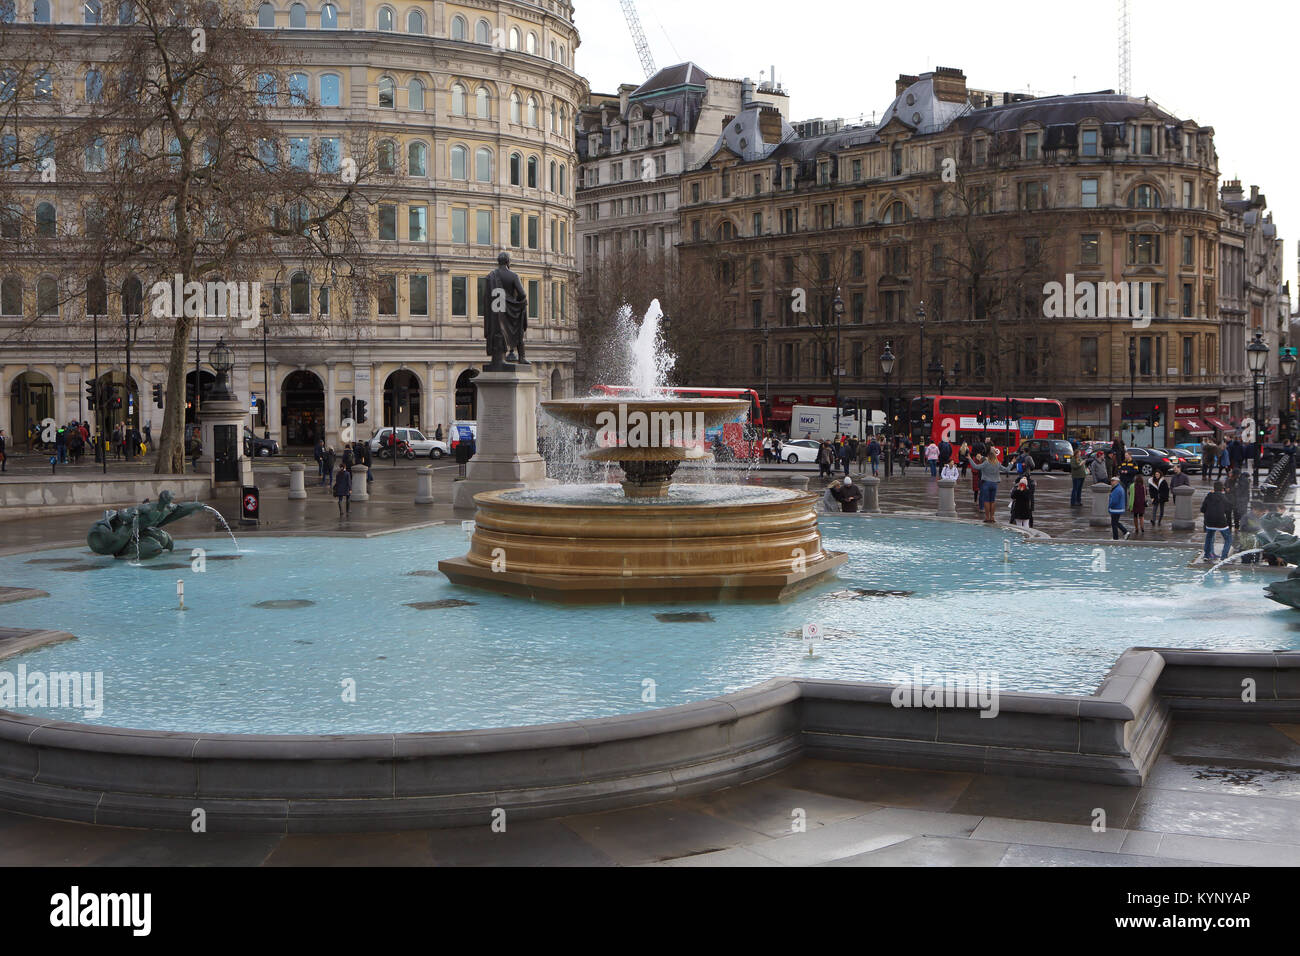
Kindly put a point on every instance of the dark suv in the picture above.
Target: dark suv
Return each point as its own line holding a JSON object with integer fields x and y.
{"x": 1048, "y": 453}
{"x": 259, "y": 447}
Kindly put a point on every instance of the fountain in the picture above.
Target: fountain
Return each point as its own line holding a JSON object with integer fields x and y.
{"x": 651, "y": 541}
{"x": 137, "y": 532}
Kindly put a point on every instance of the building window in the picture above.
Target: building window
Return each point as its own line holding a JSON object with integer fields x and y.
{"x": 483, "y": 227}
{"x": 417, "y": 223}
{"x": 1090, "y": 248}
{"x": 329, "y": 90}
{"x": 895, "y": 212}
{"x": 1143, "y": 249}
{"x": 859, "y": 307}
{"x": 415, "y": 96}
{"x": 387, "y": 96}
{"x": 1189, "y": 251}
{"x": 388, "y": 222}
{"x": 297, "y": 16}
{"x": 532, "y": 172}
{"x": 534, "y": 298}
{"x": 483, "y": 165}
{"x": 459, "y": 28}
{"x": 385, "y": 19}
{"x": 415, "y": 22}
{"x": 1089, "y": 143}
{"x": 1188, "y": 298}
{"x": 532, "y": 232}
{"x": 387, "y": 157}
{"x": 516, "y": 229}
{"x": 896, "y": 160}
{"x": 418, "y": 303}
{"x": 265, "y": 14}
{"x": 458, "y": 226}
{"x": 459, "y": 296}
{"x": 417, "y": 159}
{"x": 483, "y": 32}
{"x": 1188, "y": 354}
{"x": 1088, "y": 356}
{"x": 1031, "y": 145}
{"x": 1146, "y": 140}
{"x": 1143, "y": 197}
{"x": 1088, "y": 193}
{"x": 936, "y": 257}
{"x": 981, "y": 152}
{"x": 388, "y": 295}
{"x": 856, "y": 166}
{"x": 859, "y": 212}
{"x": 329, "y": 17}
{"x": 1189, "y": 194}
{"x": 1033, "y": 195}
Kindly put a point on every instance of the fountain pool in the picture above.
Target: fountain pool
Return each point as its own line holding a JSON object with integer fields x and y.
{"x": 268, "y": 639}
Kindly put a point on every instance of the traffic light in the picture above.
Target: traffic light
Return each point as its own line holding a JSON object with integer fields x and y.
{"x": 157, "y": 395}
{"x": 345, "y": 408}
{"x": 361, "y": 412}
{"x": 90, "y": 395}
{"x": 850, "y": 406}
{"x": 1155, "y": 416}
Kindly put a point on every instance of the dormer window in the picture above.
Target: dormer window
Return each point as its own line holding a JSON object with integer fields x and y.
{"x": 1088, "y": 142}
{"x": 896, "y": 160}
{"x": 1032, "y": 142}
{"x": 1146, "y": 140}
{"x": 981, "y": 152}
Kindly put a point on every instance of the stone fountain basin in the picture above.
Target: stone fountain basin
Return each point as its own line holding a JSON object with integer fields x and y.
{"x": 587, "y": 412}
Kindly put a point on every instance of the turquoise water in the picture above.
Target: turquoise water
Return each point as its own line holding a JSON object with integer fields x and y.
{"x": 1050, "y": 619}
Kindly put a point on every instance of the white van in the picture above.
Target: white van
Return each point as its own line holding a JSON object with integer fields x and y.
{"x": 818, "y": 423}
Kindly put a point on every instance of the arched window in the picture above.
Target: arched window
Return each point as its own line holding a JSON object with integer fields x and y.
{"x": 329, "y": 17}
{"x": 532, "y": 172}
{"x": 96, "y": 296}
{"x": 126, "y": 13}
{"x": 483, "y": 32}
{"x": 386, "y": 157}
{"x": 266, "y": 94}
{"x": 514, "y": 38}
{"x": 553, "y": 50}
{"x": 385, "y": 19}
{"x": 515, "y": 104}
{"x": 564, "y": 172}
{"x": 481, "y": 108}
{"x": 532, "y": 111}
{"x": 564, "y": 118}
{"x": 415, "y": 96}
{"x": 299, "y": 89}
{"x": 46, "y": 220}
{"x": 483, "y": 165}
{"x": 552, "y": 175}
{"x": 516, "y": 169}
{"x": 11, "y": 296}
{"x": 96, "y": 156}
{"x": 458, "y": 28}
{"x": 265, "y": 16}
{"x": 555, "y": 117}
{"x": 417, "y": 159}
{"x": 895, "y": 212}
{"x": 459, "y": 163}
{"x": 300, "y": 294}
{"x": 132, "y": 296}
{"x": 1144, "y": 197}
{"x": 457, "y": 100}
{"x": 329, "y": 90}
{"x": 387, "y": 97}
{"x": 415, "y": 22}
{"x": 298, "y": 16}
{"x": 90, "y": 11}
{"x": 562, "y": 59}
{"x": 532, "y": 44}
{"x": 47, "y": 296}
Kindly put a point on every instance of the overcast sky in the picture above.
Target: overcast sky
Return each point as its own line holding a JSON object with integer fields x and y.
{"x": 1222, "y": 65}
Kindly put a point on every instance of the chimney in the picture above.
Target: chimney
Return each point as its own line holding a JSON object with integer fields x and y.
{"x": 1231, "y": 190}
{"x": 769, "y": 124}
{"x": 746, "y": 92}
{"x": 903, "y": 82}
{"x": 949, "y": 84}
{"x": 1254, "y": 194}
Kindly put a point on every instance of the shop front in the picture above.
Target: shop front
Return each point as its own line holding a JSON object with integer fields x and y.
{"x": 1087, "y": 419}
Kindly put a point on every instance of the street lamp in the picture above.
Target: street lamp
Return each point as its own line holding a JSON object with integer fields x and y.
{"x": 221, "y": 358}
{"x": 920, "y": 361}
{"x": 1132, "y": 383}
{"x": 838, "y": 308}
{"x": 1256, "y": 360}
{"x": 1287, "y": 362}
{"x": 887, "y": 369}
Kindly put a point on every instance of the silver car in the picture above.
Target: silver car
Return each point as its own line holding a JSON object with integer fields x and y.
{"x": 423, "y": 447}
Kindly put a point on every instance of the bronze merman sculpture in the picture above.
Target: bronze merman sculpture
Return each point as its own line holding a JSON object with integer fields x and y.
{"x": 136, "y": 532}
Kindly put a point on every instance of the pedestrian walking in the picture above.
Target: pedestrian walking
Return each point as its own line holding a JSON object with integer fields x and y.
{"x": 989, "y": 478}
{"x": 1217, "y": 509}
{"x": 4, "y": 449}
{"x": 1078, "y": 474}
{"x": 873, "y": 456}
{"x": 319, "y": 453}
{"x": 343, "y": 491}
{"x": 1139, "y": 507}
{"x": 975, "y": 479}
{"x": 1158, "y": 492}
{"x": 932, "y": 458}
{"x": 846, "y": 457}
{"x": 1225, "y": 461}
{"x": 327, "y": 467}
{"x": 1116, "y": 506}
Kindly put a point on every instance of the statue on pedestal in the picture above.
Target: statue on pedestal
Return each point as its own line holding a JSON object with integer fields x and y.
{"x": 505, "y": 317}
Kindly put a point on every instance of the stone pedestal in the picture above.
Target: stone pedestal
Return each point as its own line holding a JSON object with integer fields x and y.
{"x": 1100, "y": 517}
{"x": 1184, "y": 519}
{"x": 360, "y": 477}
{"x": 297, "y": 490}
{"x": 799, "y": 482}
{"x": 506, "y": 446}
{"x": 424, "y": 487}
{"x": 870, "y": 494}
{"x": 947, "y": 498}
{"x": 222, "y": 435}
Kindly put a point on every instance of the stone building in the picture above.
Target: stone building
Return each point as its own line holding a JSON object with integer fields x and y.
{"x": 472, "y": 105}
{"x": 946, "y": 223}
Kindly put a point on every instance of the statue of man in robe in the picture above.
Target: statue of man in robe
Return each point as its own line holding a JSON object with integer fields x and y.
{"x": 505, "y": 317}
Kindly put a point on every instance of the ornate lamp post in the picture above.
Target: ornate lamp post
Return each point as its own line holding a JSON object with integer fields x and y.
{"x": 887, "y": 369}
{"x": 1132, "y": 384}
{"x": 1287, "y": 362}
{"x": 221, "y": 358}
{"x": 920, "y": 364}
{"x": 1256, "y": 361}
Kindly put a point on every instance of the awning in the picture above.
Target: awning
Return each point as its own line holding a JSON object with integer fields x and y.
{"x": 1192, "y": 426}
{"x": 1219, "y": 423}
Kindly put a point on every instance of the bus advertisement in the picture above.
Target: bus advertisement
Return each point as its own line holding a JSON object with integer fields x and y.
{"x": 969, "y": 418}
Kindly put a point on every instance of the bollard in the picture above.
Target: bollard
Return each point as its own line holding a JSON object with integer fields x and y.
{"x": 297, "y": 490}
{"x": 1100, "y": 517}
{"x": 870, "y": 494}
{"x": 1184, "y": 520}
{"x": 947, "y": 498}
{"x": 799, "y": 482}
{"x": 424, "y": 487}
{"x": 359, "y": 490}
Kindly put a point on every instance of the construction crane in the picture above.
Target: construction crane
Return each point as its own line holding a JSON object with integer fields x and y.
{"x": 638, "y": 37}
{"x": 1125, "y": 79}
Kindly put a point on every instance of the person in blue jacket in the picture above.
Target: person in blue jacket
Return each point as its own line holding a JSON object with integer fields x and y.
{"x": 1117, "y": 506}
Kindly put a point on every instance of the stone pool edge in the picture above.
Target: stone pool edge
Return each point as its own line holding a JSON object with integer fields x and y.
{"x": 354, "y": 783}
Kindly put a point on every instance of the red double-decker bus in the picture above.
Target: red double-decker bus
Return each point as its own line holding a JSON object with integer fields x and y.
{"x": 967, "y": 418}
{"x": 740, "y": 439}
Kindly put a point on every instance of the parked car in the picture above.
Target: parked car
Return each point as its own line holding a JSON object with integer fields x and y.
{"x": 1089, "y": 448}
{"x": 1190, "y": 460}
{"x": 1152, "y": 460}
{"x": 259, "y": 447}
{"x": 800, "y": 450}
{"x": 1048, "y": 453}
{"x": 422, "y": 446}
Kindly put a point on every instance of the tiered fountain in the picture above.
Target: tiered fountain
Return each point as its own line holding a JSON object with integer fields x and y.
{"x": 650, "y": 540}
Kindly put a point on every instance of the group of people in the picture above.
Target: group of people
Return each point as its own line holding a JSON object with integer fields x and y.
{"x": 1224, "y": 455}
{"x": 335, "y": 470}
{"x": 73, "y": 439}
